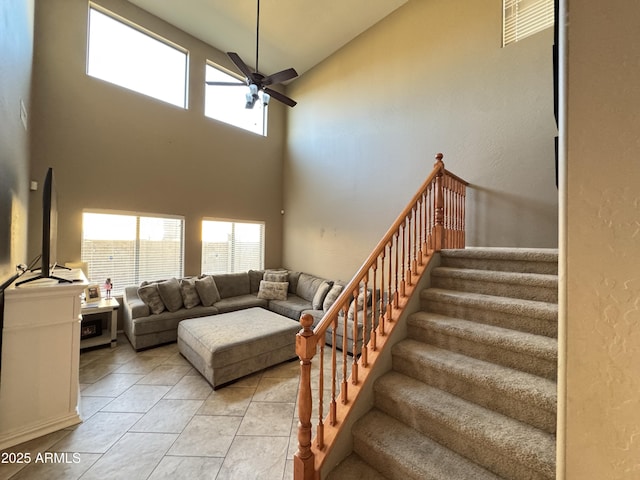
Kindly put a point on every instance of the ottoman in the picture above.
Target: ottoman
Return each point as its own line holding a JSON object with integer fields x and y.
{"x": 228, "y": 346}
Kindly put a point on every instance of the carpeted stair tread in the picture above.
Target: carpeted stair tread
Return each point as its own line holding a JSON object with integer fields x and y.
{"x": 504, "y": 338}
{"x": 528, "y": 286}
{"x": 506, "y": 446}
{"x": 531, "y": 260}
{"x": 354, "y": 468}
{"x": 531, "y": 308}
{"x": 529, "y": 352}
{"x": 402, "y": 453}
{"x": 520, "y": 395}
{"x": 525, "y": 315}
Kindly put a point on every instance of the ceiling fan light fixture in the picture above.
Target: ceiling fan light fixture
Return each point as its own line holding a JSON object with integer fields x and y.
{"x": 251, "y": 100}
{"x": 265, "y": 98}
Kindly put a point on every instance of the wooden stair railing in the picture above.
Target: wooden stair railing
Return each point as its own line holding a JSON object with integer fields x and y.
{"x": 433, "y": 220}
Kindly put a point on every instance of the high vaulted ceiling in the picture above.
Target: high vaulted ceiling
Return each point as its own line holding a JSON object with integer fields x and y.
{"x": 293, "y": 33}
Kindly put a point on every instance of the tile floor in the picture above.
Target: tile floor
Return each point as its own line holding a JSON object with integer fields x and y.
{"x": 150, "y": 415}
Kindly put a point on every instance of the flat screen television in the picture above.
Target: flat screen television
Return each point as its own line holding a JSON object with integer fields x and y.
{"x": 49, "y": 232}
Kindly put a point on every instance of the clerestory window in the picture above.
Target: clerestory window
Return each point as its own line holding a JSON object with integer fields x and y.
{"x": 227, "y": 102}
{"x": 124, "y": 54}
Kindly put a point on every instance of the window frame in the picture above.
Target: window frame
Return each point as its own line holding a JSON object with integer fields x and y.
{"x": 184, "y": 104}
{"x": 232, "y": 257}
{"x": 118, "y": 288}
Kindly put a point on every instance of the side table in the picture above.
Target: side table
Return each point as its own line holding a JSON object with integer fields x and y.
{"x": 92, "y": 318}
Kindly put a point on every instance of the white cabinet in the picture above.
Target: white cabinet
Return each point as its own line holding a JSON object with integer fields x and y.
{"x": 39, "y": 386}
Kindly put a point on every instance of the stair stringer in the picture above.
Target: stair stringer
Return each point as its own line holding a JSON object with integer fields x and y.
{"x": 343, "y": 444}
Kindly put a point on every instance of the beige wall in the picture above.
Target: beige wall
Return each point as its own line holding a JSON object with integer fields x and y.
{"x": 601, "y": 244}
{"x": 432, "y": 77}
{"x": 116, "y": 149}
{"x": 16, "y": 51}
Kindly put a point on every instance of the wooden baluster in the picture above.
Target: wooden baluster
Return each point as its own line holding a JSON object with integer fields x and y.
{"x": 413, "y": 264}
{"x": 374, "y": 303}
{"x": 414, "y": 226}
{"x": 365, "y": 311}
{"x": 463, "y": 216}
{"x": 334, "y": 372}
{"x": 430, "y": 216}
{"x": 389, "y": 300}
{"x": 320, "y": 427}
{"x": 396, "y": 268}
{"x": 454, "y": 214}
{"x": 421, "y": 229}
{"x": 438, "y": 228}
{"x": 458, "y": 214}
{"x": 383, "y": 307}
{"x": 354, "y": 343}
{"x": 303, "y": 460}
{"x": 403, "y": 255}
{"x": 344, "y": 398}
{"x": 447, "y": 210}
{"x": 374, "y": 309}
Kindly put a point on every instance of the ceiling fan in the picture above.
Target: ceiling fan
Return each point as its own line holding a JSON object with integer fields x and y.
{"x": 257, "y": 81}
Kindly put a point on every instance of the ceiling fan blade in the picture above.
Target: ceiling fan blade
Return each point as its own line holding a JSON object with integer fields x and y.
{"x": 280, "y": 77}
{"x": 227, "y": 84}
{"x": 235, "y": 58}
{"x": 280, "y": 97}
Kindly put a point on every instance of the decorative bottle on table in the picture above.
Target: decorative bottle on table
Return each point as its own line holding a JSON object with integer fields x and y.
{"x": 107, "y": 287}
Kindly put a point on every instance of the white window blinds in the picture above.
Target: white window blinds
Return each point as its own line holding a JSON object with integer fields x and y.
{"x": 229, "y": 247}
{"x": 522, "y": 18}
{"x": 129, "y": 248}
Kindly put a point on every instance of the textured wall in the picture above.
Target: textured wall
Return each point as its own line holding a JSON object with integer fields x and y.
{"x": 431, "y": 77}
{"x": 602, "y": 315}
{"x": 16, "y": 51}
{"x": 115, "y": 149}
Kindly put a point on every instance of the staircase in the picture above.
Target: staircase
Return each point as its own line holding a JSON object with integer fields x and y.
{"x": 472, "y": 391}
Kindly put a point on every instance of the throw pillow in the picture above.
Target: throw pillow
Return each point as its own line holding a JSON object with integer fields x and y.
{"x": 332, "y": 296}
{"x": 170, "y": 294}
{"x": 276, "y": 276}
{"x": 273, "y": 290}
{"x": 190, "y": 296}
{"x": 207, "y": 290}
{"x": 322, "y": 291}
{"x": 149, "y": 294}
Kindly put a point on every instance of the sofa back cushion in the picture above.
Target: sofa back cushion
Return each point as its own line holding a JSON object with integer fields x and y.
{"x": 170, "y": 294}
{"x": 332, "y": 295}
{"x": 207, "y": 290}
{"x": 255, "y": 277}
{"x": 321, "y": 292}
{"x": 150, "y": 295}
{"x": 308, "y": 286}
{"x": 190, "y": 296}
{"x": 293, "y": 281}
{"x": 233, "y": 284}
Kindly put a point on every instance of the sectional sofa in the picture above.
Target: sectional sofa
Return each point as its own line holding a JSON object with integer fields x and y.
{"x": 153, "y": 310}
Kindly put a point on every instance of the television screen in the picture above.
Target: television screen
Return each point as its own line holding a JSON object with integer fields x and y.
{"x": 49, "y": 231}
{"x": 49, "y": 226}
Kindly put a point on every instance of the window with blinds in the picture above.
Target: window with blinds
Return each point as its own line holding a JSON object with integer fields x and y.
{"x": 522, "y": 18}
{"x": 229, "y": 247}
{"x": 130, "y": 248}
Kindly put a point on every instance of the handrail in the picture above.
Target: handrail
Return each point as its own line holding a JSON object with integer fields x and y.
{"x": 367, "y": 310}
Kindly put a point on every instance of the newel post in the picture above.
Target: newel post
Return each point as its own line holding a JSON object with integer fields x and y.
{"x": 438, "y": 227}
{"x": 303, "y": 460}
